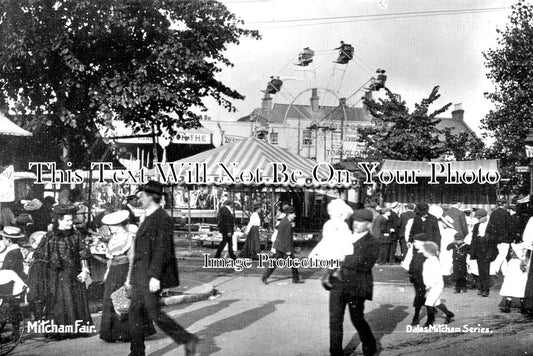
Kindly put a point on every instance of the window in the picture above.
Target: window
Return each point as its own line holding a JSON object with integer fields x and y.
{"x": 274, "y": 138}
{"x": 307, "y": 138}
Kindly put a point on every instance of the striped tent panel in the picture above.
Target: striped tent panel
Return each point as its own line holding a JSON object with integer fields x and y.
{"x": 246, "y": 155}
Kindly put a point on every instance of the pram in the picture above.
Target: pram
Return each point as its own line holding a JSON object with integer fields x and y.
{"x": 12, "y": 300}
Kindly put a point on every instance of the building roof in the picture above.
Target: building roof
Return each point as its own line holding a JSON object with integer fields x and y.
{"x": 280, "y": 111}
{"x": 353, "y": 115}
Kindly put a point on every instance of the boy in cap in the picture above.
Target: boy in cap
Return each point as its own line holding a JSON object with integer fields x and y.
{"x": 460, "y": 251}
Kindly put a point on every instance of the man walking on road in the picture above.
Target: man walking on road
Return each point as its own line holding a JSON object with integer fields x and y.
{"x": 226, "y": 223}
{"x": 154, "y": 267}
{"x": 284, "y": 245}
{"x": 356, "y": 286}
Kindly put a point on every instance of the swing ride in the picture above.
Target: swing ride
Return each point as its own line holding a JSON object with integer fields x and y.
{"x": 302, "y": 97}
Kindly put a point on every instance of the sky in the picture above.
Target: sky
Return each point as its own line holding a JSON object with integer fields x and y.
{"x": 417, "y": 52}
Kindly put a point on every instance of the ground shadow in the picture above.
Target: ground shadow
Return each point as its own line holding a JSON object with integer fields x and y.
{"x": 382, "y": 321}
{"x": 236, "y": 322}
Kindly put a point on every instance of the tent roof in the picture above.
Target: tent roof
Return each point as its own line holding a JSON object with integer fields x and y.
{"x": 425, "y": 169}
{"x": 9, "y": 128}
{"x": 247, "y": 155}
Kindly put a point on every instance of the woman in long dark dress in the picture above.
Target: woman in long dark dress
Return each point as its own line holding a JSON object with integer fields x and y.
{"x": 65, "y": 254}
{"x": 120, "y": 249}
{"x": 252, "y": 245}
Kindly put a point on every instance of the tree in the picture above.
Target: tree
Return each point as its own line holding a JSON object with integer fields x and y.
{"x": 511, "y": 70}
{"x": 404, "y": 135}
{"x": 72, "y": 67}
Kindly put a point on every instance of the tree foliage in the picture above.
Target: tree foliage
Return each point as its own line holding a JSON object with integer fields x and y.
{"x": 77, "y": 65}
{"x": 511, "y": 70}
{"x": 404, "y": 135}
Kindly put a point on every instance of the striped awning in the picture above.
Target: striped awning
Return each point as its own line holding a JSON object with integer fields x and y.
{"x": 248, "y": 155}
{"x": 425, "y": 168}
{"x": 9, "y": 128}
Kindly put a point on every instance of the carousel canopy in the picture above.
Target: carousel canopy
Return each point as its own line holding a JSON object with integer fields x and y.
{"x": 9, "y": 128}
{"x": 250, "y": 156}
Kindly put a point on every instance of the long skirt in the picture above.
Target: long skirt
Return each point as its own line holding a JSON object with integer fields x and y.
{"x": 116, "y": 327}
{"x": 514, "y": 284}
{"x": 67, "y": 302}
{"x": 528, "y": 295}
{"x": 252, "y": 245}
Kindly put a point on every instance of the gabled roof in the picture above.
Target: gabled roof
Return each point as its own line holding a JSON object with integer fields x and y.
{"x": 280, "y": 111}
{"x": 335, "y": 113}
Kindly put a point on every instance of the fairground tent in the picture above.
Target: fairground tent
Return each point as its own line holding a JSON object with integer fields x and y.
{"x": 9, "y": 128}
{"x": 247, "y": 155}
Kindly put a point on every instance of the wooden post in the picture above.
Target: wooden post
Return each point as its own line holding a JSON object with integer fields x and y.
{"x": 189, "y": 224}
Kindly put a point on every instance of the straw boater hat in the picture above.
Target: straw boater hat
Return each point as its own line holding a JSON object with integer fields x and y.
{"x": 436, "y": 211}
{"x": 32, "y": 205}
{"x": 11, "y": 232}
{"x": 116, "y": 218}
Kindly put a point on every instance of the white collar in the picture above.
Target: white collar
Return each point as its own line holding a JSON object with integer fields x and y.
{"x": 150, "y": 211}
{"x": 12, "y": 247}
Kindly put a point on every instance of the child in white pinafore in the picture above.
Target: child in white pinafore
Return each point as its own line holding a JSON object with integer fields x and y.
{"x": 337, "y": 240}
{"x": 432, "y": 275}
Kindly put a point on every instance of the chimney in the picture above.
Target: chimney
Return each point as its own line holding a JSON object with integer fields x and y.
{"x": 458, "y": 112}
{"x": 314, "y": 100}
{"x": 267, "y": 102}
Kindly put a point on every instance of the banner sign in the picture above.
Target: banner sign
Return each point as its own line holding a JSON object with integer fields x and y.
{"x": 7, "y": 184}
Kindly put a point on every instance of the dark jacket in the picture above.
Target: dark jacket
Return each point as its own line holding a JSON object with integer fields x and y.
{"x": 430, "y": 226}
{"x": 394, "y": 221}
{"x": 226, "y": 221}
{"x": 381, "y": 229}
{"x": 15, "y": 262}
{"x": 356, "y": 270}
{"x": 499, "y": 226}
{"x": 404, "y": 218}
{"x": 483, "y": 248}
{"x": 154, "y": 251}
{"x": 459, "y": 220}
{"x": 284, "y": 242}
{"x": 460, "y": 252}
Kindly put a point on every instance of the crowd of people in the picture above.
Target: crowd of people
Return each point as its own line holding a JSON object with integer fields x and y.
{"x": 434, "y": 244}
{"x": 139, "y": 258}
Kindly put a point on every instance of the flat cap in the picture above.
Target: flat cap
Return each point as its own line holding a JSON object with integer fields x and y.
{"x": 480, "y": 213}
{"x": 362, "y": 215}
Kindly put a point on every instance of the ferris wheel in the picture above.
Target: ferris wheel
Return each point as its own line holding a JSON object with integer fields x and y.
{"x": 311, "y": 89}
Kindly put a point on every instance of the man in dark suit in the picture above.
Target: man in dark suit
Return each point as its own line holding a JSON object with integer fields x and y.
{"x": 483, "y": 249}
{"x": 458, "y": 217}
{"x": 226, "y": 223}
{"x": 284, "y": 245}
{"x": 154, "y": 268}
{"x": 381, "y": 229}
{"x": 500, "y": 224}
{"x": 404, "y": 218}
{"x": 356, "y": 287}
